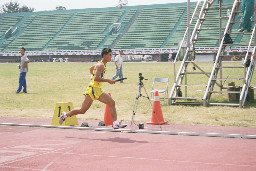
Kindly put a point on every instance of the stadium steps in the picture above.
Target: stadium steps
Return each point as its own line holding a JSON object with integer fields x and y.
{"x": 152, "y": 28}
{"x": 181, "y": 28}
{"x": 107, "y": 36}
{"x": 174, "y": 29}
{"x": 8, "y": 21}
{"x": 2, "y": 40}
{"x": 132, "y": 20}
{"x": 48, "y": 43}
{"x": 125, "y": 24}
{"x": 86, "y": 30}
{"x": 19, "y": 31}
{"x": 105, "y": 41}
{"x": 124, "y": 14}
{"x": 40, "y": 31}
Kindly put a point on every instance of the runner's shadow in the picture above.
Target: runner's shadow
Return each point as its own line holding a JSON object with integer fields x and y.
{"x": 121, "y": 140}
{"x": 115, "y": 139}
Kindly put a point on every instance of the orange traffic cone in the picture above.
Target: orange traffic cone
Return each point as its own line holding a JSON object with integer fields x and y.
{"x": 107, "y": 116}
{"x": 157, "y": 116}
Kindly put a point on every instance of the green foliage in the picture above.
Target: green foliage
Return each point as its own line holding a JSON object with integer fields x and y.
{"x": 25, "y": 8}
{"x": 14, "y": 7}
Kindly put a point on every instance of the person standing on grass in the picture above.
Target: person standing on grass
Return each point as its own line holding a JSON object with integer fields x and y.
{"x": 94, "y": 91}
{"x": 118, "y": 63}
{"x": 23, "y": 71}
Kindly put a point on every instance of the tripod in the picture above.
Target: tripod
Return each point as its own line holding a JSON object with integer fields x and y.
{"x": 139, "y": 94}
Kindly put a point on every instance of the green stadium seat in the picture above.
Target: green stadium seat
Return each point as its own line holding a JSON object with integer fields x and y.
{"x": 150, "y": 26}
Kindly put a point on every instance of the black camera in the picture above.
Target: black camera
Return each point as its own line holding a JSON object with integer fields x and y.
{"x": 141, "y": 77}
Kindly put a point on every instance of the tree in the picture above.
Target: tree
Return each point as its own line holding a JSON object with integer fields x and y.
{"x": 60, "y": 8}
{"x": 14, "y": 7}
{"x": 26, "y": 9}
{"x": 11, "y": 7}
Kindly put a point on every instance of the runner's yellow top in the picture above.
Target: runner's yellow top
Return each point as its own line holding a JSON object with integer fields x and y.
{"x": 95, "y": 83}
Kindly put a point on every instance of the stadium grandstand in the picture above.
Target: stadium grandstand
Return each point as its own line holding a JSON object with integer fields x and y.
{"x": 158, "y": 27}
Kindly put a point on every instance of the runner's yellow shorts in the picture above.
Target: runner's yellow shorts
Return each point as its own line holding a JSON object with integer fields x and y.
{"x": 93, "y": 92}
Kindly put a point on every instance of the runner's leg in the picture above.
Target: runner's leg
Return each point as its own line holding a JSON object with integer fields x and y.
{"x": 107, "y": 99}
{"x": 85, "y": 106}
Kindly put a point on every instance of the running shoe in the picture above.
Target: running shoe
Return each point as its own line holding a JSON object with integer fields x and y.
{"x": 117, "y": 125}
{"x": 62, "y": 117}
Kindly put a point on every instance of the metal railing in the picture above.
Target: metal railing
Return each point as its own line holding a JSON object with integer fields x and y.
{"x": 249, "y": 72}
{"x": 250, "y": 42}
{"x": 246, "y": 85}
{"x": 176, "y": 77}
{"x": 213, "y": 73}
{"x": 185, "y": 34}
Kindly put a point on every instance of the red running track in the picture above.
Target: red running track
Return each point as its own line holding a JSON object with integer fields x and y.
{"x": 26, "y": 148}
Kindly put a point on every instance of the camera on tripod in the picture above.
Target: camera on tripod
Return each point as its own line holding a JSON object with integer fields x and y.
{"x": 141, "y": 77}
{"x": 139, "y": 94}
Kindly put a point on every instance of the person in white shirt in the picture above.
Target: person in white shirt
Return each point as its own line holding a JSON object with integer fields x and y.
{"x": 23, "y": 71}
{"x": 119, "y": 63}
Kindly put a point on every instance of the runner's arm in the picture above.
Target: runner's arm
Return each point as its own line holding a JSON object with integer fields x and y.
{"x": 99, "y": 68}
{"x": 92, "y": 68}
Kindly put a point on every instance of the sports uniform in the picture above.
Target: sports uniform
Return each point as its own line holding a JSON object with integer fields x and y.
{"x": 95, "y": 92}
{"x": 94, "y": 89}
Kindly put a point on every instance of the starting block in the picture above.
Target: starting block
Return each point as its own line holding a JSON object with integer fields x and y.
{"x": 59, "y": 108}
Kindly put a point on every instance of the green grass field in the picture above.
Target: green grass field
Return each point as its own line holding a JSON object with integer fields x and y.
{"x": 49, "y": 83}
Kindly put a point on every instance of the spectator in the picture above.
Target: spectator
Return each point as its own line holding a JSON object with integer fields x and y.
{"x": 23, "y": 71}
{"x": 247, "y": 9}
{"x": 118, "y": 63}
